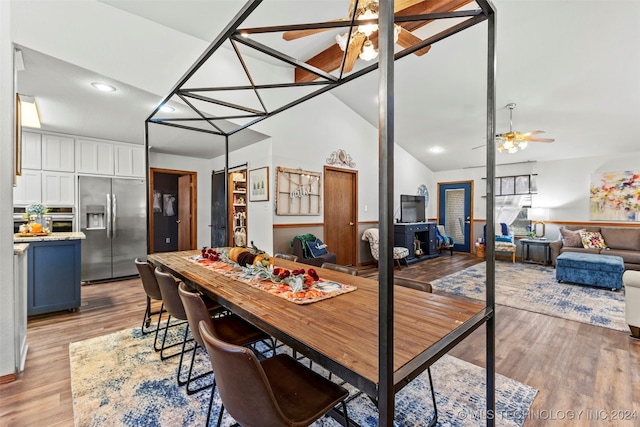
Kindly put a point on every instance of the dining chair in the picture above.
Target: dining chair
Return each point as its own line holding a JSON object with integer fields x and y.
{"x": 152, "y": 291}
{"x": 229, "y": 326}
{"x": 175, "y": 308}
{"x": 274, "y": 392}
{"x": 287, "y": 257}
{"x": 340, "y": 268}
{"x": 412, "y": 283}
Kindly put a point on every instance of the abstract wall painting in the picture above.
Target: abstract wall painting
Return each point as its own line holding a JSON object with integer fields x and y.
{"x": 615, "y": 196}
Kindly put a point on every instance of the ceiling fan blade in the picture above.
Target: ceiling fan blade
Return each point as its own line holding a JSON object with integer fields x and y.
{"x": 429, "y": 6}
{"x": 537, "y": 139}
{"x": 399, "y": 5}
{"x": 330, "y": 59}
{"x": 353, "y": 50}
{"x": 297, "y": 34}
{"x": 533, "y": 132}
{"x": 407, "y": 39}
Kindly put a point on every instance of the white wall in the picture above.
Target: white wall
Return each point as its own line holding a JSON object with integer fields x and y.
{"x": 563, "y": 185}
{"x": 203, "y": 169}
{"x": 7, "y": 295}
{"x": 305, "y": 136}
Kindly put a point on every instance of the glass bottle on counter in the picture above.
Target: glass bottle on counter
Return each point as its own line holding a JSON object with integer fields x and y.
{"x": 47, "y": 225}
{"x": 34, "y": 225}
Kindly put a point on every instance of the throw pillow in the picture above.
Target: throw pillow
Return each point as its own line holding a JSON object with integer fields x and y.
{"x": 570, "y": 238}
{"x": 592, "y": 240}
{"x": 507, "y": 239}
{"x": 317, "y": 248}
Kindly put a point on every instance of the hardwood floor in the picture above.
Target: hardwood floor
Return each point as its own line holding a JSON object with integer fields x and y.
{"x": 576, "y": 367}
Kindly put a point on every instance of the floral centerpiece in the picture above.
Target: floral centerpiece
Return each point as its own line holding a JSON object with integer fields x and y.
{"x": 37, "y": 209}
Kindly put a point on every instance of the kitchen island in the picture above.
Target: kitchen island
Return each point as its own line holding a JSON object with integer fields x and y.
{"x": 53, "y": 271}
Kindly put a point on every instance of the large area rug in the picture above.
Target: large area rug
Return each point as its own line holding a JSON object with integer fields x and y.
{"x": 534, "y": 288}
{"x": 118, "y": 380}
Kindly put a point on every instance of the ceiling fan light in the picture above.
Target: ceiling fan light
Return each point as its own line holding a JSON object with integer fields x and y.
{"x": 368, "y": 51}
{"x": 368, "y": 29}
{"x": 523, "y": 145}
{"x": 341, "y": 40}
{"x": 396, "y": 32}
{"x": 512, "y": 150}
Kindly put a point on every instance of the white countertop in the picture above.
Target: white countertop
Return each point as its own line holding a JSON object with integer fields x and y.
{"x": 78, "y": 235}
{"x": 20, "y": 248}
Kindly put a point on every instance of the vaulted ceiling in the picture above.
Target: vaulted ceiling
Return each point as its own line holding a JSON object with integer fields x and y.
{"x": 571, "y": 67}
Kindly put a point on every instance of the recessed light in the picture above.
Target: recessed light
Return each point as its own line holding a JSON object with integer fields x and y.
{"x": 436, "y": 150}
{"x": 167, "y": 109}
{"x": 103, "y": 87}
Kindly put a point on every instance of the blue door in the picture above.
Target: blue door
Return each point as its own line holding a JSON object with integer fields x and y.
{"x": 454, "y": 212}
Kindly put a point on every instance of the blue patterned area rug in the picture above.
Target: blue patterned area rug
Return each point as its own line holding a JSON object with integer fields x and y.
{"x": 119, "y": 380}
{"x": 535, "y": 288}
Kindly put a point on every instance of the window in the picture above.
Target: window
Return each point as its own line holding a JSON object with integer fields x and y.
{"x": 521, "y": 224}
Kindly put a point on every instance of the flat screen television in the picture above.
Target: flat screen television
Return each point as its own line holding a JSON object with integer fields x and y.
{"x": 412, "y": 208}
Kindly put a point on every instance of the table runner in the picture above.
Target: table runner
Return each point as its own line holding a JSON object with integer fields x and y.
{"x": 265, "y": 278}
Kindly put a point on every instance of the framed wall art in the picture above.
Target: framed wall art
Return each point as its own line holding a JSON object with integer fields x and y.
{"x": 259, "y": 185}
{"x": 615, "y": 196}
{"x": 297, "y": 192}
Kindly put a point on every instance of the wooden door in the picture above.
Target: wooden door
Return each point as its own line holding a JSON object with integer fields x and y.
{"x": 341, "y": 213}
{"x": 184, "y": 213}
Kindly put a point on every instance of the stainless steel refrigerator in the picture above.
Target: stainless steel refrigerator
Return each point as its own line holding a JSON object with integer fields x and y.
{"x": 113, "y": 217}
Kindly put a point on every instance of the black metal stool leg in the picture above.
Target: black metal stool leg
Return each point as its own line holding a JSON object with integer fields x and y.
{"x": 433, "y": 398}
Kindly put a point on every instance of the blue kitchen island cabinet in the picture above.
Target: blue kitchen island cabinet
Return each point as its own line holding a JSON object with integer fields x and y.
{"x": 53, "y": 278}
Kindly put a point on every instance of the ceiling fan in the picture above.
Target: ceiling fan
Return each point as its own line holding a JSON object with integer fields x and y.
{"x": 362, "y": 42}
{"x": 511, "y": 141}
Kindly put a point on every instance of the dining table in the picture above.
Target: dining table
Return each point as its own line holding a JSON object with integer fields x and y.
{"x": 341, "y": 333}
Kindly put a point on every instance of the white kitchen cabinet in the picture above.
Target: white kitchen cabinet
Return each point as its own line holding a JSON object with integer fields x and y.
{"x": 129, "y": 161}
{"x": 58, "y": 153}
{"x": 58, "y": 189}
{"x": 94, "y": 157}
{"x": 31, "y": 150}
{"x": 29, "y": 188}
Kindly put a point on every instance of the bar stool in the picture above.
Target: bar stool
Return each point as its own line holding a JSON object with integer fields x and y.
{"x": 232, "y": 327}
{"x": 151, "y": 289}
{"x": 175, "y": 308}
{"x": 275, "y": 392}
{"x": 340, "y": 268}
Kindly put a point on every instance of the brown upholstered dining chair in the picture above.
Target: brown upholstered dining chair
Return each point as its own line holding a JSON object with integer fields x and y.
{"x": 151, "y": 289}
{"x": 412, "y": 283}
{"x": 175, "y": 308}
{"x": 287, "y": 257}
{"x": 340, "y": 268}
{"x": 274, "y": 392}
{"x": 233, "y": 328}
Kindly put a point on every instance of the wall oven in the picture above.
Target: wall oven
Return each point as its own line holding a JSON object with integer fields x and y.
{"x": 62, "y": 219}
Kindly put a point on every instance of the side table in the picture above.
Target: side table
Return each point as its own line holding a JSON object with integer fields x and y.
{"x": 536, "y": 242}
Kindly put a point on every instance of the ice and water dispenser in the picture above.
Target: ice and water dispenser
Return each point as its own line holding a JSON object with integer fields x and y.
{"x": 96, "y": 217}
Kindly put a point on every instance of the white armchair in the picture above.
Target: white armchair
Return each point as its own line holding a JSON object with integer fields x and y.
{"x": 371, "y": 235}
{"x": 631, "y": 280}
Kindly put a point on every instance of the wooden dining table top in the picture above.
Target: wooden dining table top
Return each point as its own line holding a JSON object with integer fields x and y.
{"x": 341, "y": 333}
